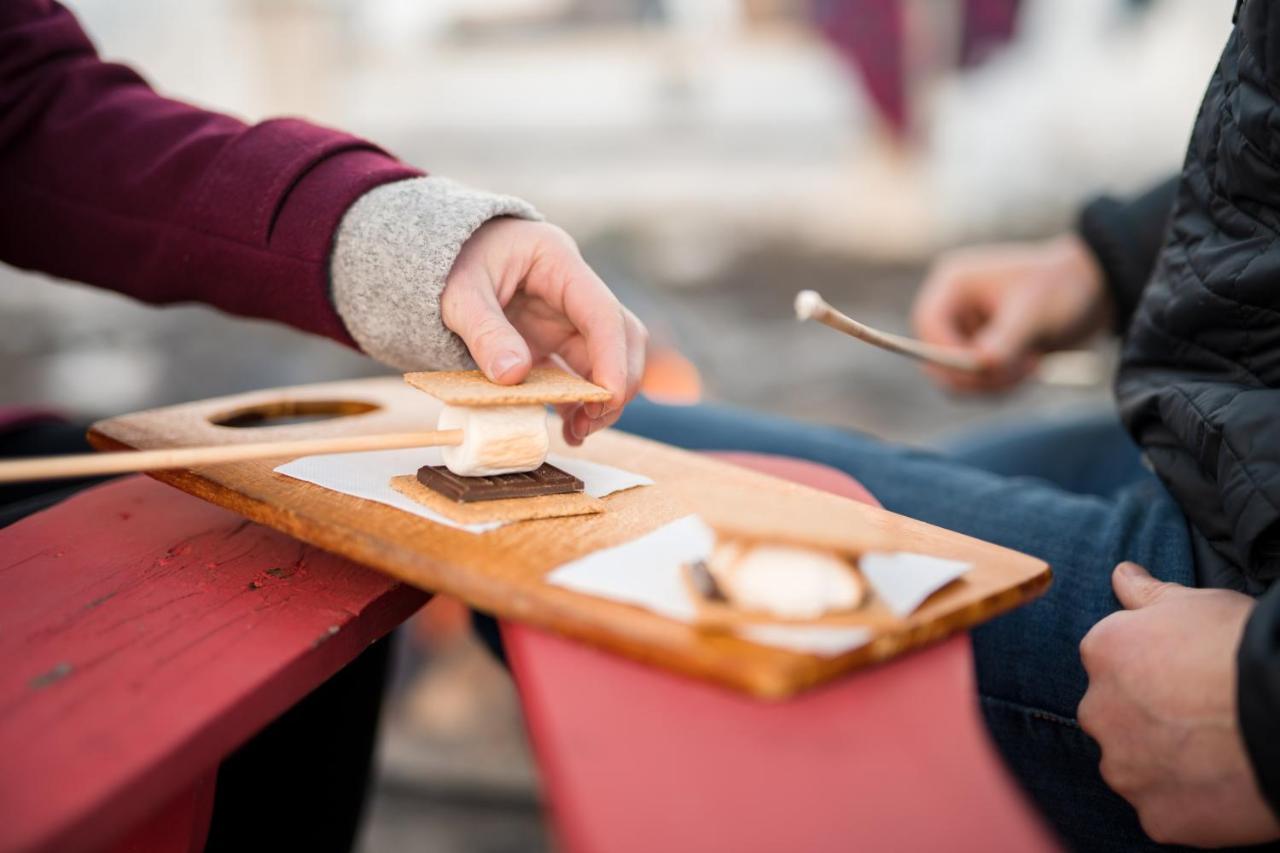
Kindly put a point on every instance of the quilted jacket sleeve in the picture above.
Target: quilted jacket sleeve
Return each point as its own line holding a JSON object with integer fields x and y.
{"x": 1199, "y": 381}
{"x": 1125, "y": 235}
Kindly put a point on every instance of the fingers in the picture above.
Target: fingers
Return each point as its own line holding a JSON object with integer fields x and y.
{"x": 1136, "y": 588}
{"x": 937, "y": 314}
{"x": 1007, "y": 340}
{"x": 470, "y": 308}
{"x": 602, "y": 322}
{"x": 581, "y": 421}
{"x": 577, "y": 425}
{"x": 1098, "y": 641}
{"x": 610, "y": 342}
{"x": 944, "y": 314}
{"x": 965, "y": 303}
{"x": 637, "y": 347}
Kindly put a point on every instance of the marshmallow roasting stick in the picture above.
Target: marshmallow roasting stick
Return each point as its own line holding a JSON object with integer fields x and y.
{"x": 811, "y": 306}
{"x": 485, "y": 430}
{"x": 124, "y": 462}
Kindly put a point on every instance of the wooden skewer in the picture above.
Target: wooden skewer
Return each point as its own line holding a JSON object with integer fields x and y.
{"x": 811, "y": 306}
{"x": 96, "y": 464}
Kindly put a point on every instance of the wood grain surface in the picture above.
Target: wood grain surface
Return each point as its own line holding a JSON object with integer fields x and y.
{"x": 502, "y": 571}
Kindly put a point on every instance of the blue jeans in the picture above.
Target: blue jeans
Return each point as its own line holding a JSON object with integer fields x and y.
{"x": 1072, "y": 493}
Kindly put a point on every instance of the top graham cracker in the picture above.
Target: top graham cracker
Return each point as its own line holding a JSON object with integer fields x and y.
{"x": 544, "y": 385}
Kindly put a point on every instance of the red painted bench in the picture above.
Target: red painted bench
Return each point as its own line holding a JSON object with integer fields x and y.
{"x": 147, "y": 634}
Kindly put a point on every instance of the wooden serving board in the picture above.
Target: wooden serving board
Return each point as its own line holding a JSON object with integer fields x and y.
{"x": 502, "y": 571}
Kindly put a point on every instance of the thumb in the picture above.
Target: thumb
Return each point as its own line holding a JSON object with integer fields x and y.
{"x": 1005, "y": 340}
{"x": 1136, "y": 588}
{"x": 472, "y": 311}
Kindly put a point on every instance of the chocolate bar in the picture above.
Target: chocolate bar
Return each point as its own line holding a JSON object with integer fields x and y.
{"x": 546, "y": 480}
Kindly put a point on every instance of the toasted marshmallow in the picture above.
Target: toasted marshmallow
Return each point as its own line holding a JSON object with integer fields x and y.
{"x": 788, "y": 581}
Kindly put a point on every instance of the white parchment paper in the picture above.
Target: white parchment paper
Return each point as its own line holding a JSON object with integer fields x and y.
{"x": 903, "y": 581}
{"x": 645, "y": 572}
{"x": 368, "y": 475}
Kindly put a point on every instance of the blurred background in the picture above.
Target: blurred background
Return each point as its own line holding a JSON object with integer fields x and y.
{"x": 711, "y": 157}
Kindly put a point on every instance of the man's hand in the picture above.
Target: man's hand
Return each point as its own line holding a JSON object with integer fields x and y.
{"x": 520, "y": 292}
{"x": 1162, "y": 705}
{"x": 1008, "y": 304}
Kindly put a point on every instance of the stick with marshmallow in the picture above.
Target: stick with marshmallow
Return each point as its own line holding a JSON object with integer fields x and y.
{"x": 485, "y": 429}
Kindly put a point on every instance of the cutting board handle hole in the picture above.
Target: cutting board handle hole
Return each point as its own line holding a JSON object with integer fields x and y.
{"x": 290, "y": 413}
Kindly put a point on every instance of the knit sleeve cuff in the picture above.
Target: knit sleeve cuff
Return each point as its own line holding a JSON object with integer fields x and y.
{"x": 392, "y": 256}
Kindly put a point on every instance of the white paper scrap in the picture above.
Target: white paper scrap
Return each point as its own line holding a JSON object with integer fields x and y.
{"x": 904, "y": 580}
{"x": 368, "y": 475}
{"x": 645, "y": 571}
{"x": 598, "y": 480}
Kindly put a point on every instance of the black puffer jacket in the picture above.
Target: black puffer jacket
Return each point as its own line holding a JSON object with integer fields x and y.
{"x": 1199, "y": 381}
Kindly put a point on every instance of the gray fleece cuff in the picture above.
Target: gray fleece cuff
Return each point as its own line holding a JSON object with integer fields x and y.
{"x": 391, "y": 258}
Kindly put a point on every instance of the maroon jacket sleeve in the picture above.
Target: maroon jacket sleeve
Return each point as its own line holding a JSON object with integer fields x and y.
{"x": 103, "y": 181}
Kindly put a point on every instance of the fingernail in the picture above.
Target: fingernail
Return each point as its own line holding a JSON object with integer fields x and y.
{"x": 503, "y": 364}
{"x": 594, "y": 410}
{"x": 1129, "y": 570}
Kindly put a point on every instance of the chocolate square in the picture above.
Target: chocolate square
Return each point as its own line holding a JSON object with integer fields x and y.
{"x": 546, "y": 480}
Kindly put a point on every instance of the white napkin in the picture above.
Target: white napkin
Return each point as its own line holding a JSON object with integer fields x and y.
{"x": 645, "y": 572}
{"x": 903, "y": 581}
{"x": 368, "y": 475}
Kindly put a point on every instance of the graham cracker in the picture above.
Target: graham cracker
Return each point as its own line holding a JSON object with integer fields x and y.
{"x": 544, "y": 385}
{"x": 737, "y": 513}
{"x": 508, "y": 510}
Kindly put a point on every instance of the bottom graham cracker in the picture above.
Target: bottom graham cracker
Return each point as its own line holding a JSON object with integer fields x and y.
{"x": 508, "y": 510}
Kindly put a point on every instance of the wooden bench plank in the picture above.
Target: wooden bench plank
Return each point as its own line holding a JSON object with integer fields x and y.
{"x": 145, "y": 635}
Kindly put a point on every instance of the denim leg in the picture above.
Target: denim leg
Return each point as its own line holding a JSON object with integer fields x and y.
{"x": 1088, "y": 453}
{"x": 1028, "y": 662}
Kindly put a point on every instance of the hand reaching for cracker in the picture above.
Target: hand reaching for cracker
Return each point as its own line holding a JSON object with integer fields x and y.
{"x": 520, "y": 293}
